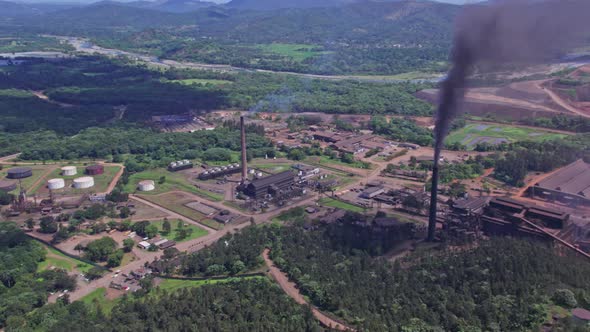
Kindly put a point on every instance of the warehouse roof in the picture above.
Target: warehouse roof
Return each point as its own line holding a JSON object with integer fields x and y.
{"x": 269, "y": 180}
{"x": 573, "y": 179}
{"x": 471, "y": 203}
{"x": 548, "y": 212}
{"x": 582, "y": 314}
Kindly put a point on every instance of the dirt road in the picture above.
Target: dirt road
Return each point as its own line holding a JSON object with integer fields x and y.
{"x": 557, "y": 99}
{"x": 7, "y": 159}
{"x": 291, "y": 289}
{"x": 113, "y": 183}
{"x": 43, "y": 96}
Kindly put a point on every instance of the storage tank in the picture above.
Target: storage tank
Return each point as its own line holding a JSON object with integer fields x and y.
{"x": 84, "y": 182}
{"x": 19, "y": 173}
{"x": 252, "y": 171}
{"x": 54, "y": 184}
{"x": 69, "y": 170}
{"x": 146, "y": 185}
{"x": 7, "y": 186}
{"x": 95, "y": 170}
{"x": 259, "y": 175}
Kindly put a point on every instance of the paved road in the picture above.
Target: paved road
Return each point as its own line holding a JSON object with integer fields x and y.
{"x": 291, "y": 289}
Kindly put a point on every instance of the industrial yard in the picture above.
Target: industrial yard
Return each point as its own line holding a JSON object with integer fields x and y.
{"x": 201, "y": 201}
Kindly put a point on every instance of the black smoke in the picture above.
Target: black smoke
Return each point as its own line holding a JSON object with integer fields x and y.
{"x": 504, "y": 32}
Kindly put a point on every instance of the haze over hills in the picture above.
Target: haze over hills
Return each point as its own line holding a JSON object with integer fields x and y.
{"x": 192, "y": 5}
{"x": 350, "y": 38}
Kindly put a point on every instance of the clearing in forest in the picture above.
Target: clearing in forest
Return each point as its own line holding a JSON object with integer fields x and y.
{"x": 474, "y": 133}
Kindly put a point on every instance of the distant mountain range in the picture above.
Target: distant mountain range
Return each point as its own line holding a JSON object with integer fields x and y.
{"x": 32, "y": 7}
{"x": 381, "y": 23}
{"x": 174, "y": 6}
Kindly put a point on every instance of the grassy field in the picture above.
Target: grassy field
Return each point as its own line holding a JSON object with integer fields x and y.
{"x": 474, "y": 133}
{"x": 200, "y": 81}
{"x": 59, "y": 260}
{"x": 326, "y": 201}
{"x": 101, "y": 182}
{"x": 98, "y": 298}
{"x": 197, "y": 231}
{"x": 174, "y": 182}
{"x": 173, "y": 284}
{"x": 15, "y": 93}
{"x": 173, "y": 202}
{"x": 324, "y": 160}
{"x": 298, "y": 52}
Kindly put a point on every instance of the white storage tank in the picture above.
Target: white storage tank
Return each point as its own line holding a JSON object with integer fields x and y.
{"x": 54, "y": 184}
{"x": 84, "y": 182}
{"x": 69, "y": 170}
{"x": 251, "y": 172}
{"x": 146, "y": 185}
{"x": 259, "y": 175}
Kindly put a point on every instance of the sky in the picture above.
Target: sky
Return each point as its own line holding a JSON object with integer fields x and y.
{"x": 216, "y": 1}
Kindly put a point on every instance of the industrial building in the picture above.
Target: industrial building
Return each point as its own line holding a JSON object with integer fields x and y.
{"x": 305, "y": 172}
{"x": 69, "y": 171}
{"x": 569, "y": 185}
{"x": 216, "y": 172}
{"x": 180, "y": 165}
{"x": 270, "y": 185}
{"x": 95, "y": 170}
{"x": 372, "y": 192}
{"x": 173, "y": 119}
{"x": 361, "y": 143}
{"x": 470, "y": 206}
{"x": 7, "y": 186}
{"x": 19, "y": 173}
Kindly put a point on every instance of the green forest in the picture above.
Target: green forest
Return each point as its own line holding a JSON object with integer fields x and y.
{"x": 22, "y": 286}
{"x": 498, "y": 285}
{"x": 511, "y": 286}
{"x": 94, "y": 91}
{"x": 249, "y": 305}
{"x": 380, "y": 38}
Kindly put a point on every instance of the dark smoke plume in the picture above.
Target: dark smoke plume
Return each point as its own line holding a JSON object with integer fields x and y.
{"x": 504, "y": 32}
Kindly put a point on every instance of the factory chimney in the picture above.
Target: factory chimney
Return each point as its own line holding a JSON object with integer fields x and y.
{"x": 243, "y": 140}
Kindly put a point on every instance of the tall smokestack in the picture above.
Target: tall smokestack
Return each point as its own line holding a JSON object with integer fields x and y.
{"x": 244, "y": 159}
{"x": 516, "y": 32}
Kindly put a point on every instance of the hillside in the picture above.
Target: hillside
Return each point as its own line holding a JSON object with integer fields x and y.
{"x": 173, "y": 6}
{"x": 278, "y": 4}
{"x": 358, "y": 38}
{"x": 12, "y": 9}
